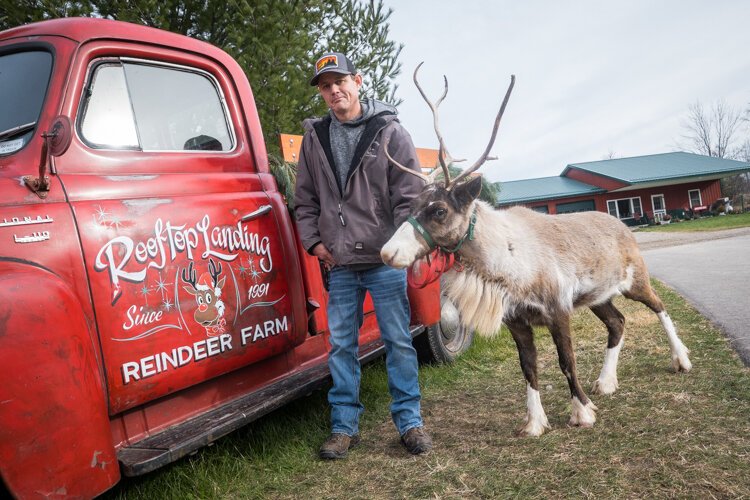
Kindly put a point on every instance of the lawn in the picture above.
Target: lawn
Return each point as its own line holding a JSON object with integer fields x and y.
{"x": 705, "y": 223}
{"x": 662, "y": 435}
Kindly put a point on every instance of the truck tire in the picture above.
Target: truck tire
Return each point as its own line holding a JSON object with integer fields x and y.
{"x": 445, "y": 341}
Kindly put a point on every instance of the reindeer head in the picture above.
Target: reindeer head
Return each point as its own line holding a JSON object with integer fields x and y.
{"x": 207, "y": 293}
{"x": 443, "y": 214}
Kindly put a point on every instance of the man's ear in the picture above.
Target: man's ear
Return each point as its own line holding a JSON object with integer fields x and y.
{"x": 358, "y": 79}
{"x": 468, "y": 191}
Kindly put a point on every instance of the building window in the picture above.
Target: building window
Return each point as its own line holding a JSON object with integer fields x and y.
{"x": 695, "y": 198}
{"x": 624, "y": 208}
{"x": 541, "y": 209}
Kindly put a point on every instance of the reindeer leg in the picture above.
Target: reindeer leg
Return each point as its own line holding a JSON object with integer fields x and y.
{"x": 642, "y": 292}
{"x": 536, "y": 419}
{"x": 615, "y": 323}
{"x": 583, "y": 409}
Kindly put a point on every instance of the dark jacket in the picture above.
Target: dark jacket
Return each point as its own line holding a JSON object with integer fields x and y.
{"x": 355, "y": 224}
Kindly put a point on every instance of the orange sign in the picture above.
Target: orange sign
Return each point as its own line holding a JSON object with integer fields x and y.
{"x": 290, "y": 146}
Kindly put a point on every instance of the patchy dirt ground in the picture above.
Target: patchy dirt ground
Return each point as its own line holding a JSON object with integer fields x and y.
{"x": 649, "y": 240}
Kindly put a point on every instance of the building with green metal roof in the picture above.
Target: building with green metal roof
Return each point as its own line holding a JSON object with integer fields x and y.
{"x": 545, "y": 189}
{"x": 628, "y": 188}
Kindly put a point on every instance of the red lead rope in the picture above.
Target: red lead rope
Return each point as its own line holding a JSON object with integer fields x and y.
{"x": 426, "y": 271}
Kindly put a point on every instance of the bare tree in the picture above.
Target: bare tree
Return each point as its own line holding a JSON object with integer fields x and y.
{"x": 610, "y": 155}
{"x": 712, "y": 132}
{"x": 717, "y": 132}
{"x": 738, "y": 186}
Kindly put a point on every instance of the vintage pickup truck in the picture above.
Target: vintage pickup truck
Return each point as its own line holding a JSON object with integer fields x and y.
{"x": 153, "y": 293}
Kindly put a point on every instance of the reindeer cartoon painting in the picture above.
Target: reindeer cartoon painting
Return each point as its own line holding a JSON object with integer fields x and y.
{"x": 207, "y": 293}
{"x": 526, "y": 269}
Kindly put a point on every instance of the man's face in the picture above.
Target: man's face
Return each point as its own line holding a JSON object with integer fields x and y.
{"x": 341, "y": 94}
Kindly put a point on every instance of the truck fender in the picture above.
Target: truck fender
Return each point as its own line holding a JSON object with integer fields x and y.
{"x": 55, "y": 437}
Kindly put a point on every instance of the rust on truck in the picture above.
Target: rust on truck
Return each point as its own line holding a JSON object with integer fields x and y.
{"x": 154, "y": 295}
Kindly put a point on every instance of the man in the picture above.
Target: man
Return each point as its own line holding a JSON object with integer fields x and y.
{"x": 349, "y": 201}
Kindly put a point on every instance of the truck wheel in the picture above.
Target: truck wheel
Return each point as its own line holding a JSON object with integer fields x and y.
{"x": 443, "y": 342}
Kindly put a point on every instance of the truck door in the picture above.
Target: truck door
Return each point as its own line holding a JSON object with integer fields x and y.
{"x": 190, "y": 260}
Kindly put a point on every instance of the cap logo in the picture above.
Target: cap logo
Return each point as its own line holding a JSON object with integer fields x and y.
{"x": 326, "y": 61}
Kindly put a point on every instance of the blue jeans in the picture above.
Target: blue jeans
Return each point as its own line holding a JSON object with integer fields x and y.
{"x": 387, "y": 287}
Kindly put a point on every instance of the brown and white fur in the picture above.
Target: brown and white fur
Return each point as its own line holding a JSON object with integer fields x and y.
{"x": 527, "y": 269}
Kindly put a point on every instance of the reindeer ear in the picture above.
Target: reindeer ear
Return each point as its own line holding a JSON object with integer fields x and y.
{"x": 190, "y": 290}
{"x": 466, "y": 192}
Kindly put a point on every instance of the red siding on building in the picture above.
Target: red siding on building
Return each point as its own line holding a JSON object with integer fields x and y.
{"x": 675, "y": 197}
{"x": 594, "y": 179}
{"x": 601, "y": 204}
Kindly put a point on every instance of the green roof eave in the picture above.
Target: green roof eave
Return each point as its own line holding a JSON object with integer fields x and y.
{"x": 722, "y": 173}
{"x": 676, "y": 165}
{"x": 548, "y": 196}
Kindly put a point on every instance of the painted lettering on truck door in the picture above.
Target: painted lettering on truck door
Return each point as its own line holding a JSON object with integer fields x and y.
{"x": 189, "y": 275}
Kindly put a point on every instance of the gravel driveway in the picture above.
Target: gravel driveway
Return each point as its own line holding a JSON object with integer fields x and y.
{"x": 648, "y": 240}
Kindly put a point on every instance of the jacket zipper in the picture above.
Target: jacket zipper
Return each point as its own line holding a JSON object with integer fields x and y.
{"x": 343, "y": 191}
{"x": 341, "y": 216}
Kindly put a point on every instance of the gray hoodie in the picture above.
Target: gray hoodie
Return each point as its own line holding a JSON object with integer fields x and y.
{"x": 346, "y": 135}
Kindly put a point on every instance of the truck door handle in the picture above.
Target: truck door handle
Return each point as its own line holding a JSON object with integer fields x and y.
{"x": 262, "y": 210}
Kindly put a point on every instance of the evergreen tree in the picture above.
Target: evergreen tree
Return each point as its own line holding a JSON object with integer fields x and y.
{"x": 275, "y": 41}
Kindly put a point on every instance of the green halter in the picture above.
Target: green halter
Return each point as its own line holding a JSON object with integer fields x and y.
{"x": 431, "y": 243}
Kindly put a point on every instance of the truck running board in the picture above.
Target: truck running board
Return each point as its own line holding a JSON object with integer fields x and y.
{"x": 181, "y": 440}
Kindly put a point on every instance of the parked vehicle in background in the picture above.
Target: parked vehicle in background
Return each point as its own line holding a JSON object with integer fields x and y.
{"x": 722, "y": 206}
{"x": 154, "y": 295}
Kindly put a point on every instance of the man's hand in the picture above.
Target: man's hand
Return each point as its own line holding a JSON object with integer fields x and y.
{"x": 322, "y": 253}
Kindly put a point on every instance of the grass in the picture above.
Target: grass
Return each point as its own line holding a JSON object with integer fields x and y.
{"x": 662, "y": 434}
{"x": 730, "y": 221}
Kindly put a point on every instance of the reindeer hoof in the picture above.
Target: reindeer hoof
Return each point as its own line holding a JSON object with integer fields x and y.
{"x": 583, "y": 415}
{"x": 606, "y": 386}
{"x": 681, "y": 363}
{"x": 680, "y": 360}
{"x": 534, "y": 428}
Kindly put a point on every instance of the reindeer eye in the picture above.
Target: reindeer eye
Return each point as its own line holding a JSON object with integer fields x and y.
{"x": 440, "y": 212}
{"x": 208, "y": 299}
{"x": 200, "y": 300}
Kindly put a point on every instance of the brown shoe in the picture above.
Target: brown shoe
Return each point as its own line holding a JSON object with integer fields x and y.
{"x": 417, "y": 441}
{"x": 337, "y": 445}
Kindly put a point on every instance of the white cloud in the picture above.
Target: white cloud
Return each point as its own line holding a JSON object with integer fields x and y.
{"x": 592, "y": 76}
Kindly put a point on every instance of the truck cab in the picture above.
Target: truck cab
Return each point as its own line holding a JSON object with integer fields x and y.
{"x": 154, "y": 294}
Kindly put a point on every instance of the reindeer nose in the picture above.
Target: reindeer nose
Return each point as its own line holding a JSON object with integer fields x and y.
{"x": 202, "y": 307}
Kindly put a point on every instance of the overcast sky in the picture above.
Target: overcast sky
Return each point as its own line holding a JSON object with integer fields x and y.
{"x": 592, "y": 77}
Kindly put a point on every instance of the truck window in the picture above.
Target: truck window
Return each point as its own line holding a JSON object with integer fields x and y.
{"x": 151, "y": 107}
{"x": 24, "y": 77}
{"x": 108, "y": 117}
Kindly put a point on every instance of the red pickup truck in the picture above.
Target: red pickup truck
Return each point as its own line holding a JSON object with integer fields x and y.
{"x": 153, "y": 293}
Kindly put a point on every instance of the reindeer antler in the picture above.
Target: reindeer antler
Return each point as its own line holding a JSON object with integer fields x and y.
{"x": 485, "y": 156}
{"x": 429, "y": 179}
{"x": 443, "y": 153}
{"x": 214, "y": 270}
{"x": 189, "y": 277}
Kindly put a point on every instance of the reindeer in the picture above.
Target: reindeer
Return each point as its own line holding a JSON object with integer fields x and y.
{"x": 526, "y": 269}
{"x": 207, "y": 292}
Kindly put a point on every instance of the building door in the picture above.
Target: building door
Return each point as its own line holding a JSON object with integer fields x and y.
{"x": 658, "y": 206}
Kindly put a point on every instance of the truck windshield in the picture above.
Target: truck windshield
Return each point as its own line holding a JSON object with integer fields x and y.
{"x": 24, "y": 77}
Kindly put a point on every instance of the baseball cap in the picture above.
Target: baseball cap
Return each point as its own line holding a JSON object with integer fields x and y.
{"x": 332, "y": 62}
